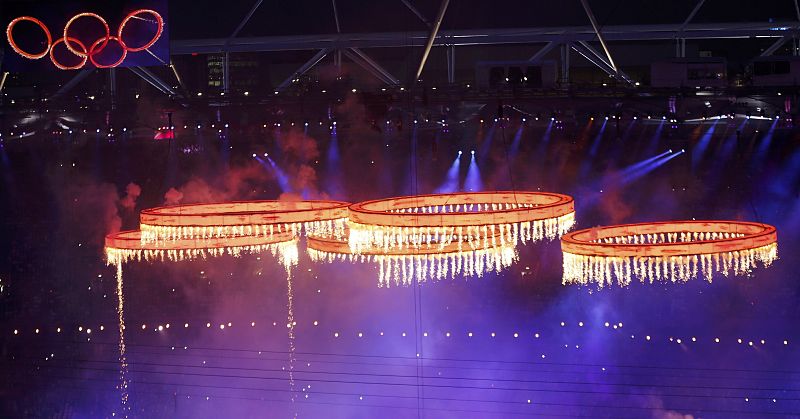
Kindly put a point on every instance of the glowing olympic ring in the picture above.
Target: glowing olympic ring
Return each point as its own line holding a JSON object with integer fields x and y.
{"x": 66, "y": 67}
{"x": 19, "y": 50}
{"x": 92, "y": 53}
{"x": 150, "y": 43}
{"x": 78, "y": 48}
{"x": 78, "y": 16}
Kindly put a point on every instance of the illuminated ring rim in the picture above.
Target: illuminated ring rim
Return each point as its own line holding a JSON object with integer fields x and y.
{"x": 361, "y": 214}
{"x": 66, "y": 67}
{"x": 16, "y": 47}
{"x": 170, "y": 216}
{"x": 131, "y": 240}
{"x": 332, "y": 245}
{"x": 92, "y": 53}
{"x": 87, "y": 14}
{"x": 156, "y": 37}
{"x": 756, "y": 235}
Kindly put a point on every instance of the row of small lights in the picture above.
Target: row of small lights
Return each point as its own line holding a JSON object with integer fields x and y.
{"x": 222, "y": 326}
{"x": 416, "y": 121}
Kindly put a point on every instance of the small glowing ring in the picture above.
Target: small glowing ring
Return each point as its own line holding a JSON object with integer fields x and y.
{"x": 150, "y": 43}
{"x": 91, "y": 49}
{"x": 67, "y": 67}
{"x": 16, "y": 47}
{"x": 92, "y": 53}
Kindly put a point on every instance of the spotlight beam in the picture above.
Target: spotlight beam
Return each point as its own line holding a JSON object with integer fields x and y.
{"x": 450, "y": 183}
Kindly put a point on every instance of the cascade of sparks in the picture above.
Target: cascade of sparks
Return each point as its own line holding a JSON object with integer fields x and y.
{"x": 288, "y": 256}
{"x": 290, "y": 326}
{"x": 323, "y": 228}
{"x": 364, "y": 237}
{"x": 123, "y": 362}
{"x": 604, "y": 270}
{"x": 117, "y": 255}
{"x": 405, "y": 269}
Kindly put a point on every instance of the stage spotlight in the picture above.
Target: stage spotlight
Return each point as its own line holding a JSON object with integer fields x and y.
{"x": 670, "y": 150}
{"x": 523, "y": 119}
{"x": 266, "y": 154}
{"x": 472, "y": 152}
{"x": 459, "y": 152}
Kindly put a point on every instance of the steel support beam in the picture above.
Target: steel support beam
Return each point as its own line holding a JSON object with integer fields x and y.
{"x": 416, "y": 12}
{"x": 775, "y": 45}
{"x": 246, "y": 19}
{"x": 336, "y": 17}
{"x": 797, "y": 9}
{"x": 543, "y": 51}
{"x": 681, "y": 41}
{"x": 112, "y": 86}
{"x": 692, "y": 15}
{"x": 616, "y": 72}
{"x": 226, "y": 71}
{"x": 386, "y": 76}
{"x": 451, "y": 64}
{"x": 434, "y": 31}
{"x": 154, "y": 80}
{"x": 304, "y": 68}
{"x": 471, "y": 37}
{"x": 72, "y": 82}
{"x": 3, "y": 81}
{"x": 377, "y": 72}
{"x": 363, "y": 64}
{"x": 597, "y": 32}
{"x": 592, "y": 58}
{"x": 565, "y": 64}
{"x": 178, "y": 77}
{"x": 226, "y": 76}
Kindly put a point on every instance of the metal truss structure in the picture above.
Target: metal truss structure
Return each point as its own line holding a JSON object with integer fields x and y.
{"x": 566, "y": 39}
{"x": 575, "y": 38}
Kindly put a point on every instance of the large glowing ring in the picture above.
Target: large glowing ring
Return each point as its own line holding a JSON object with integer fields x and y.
{"x": 15, "y": 47}
{"x": 66, "y": 67}
{"x": 131, "y": 15}
{"x": 244, "y": 218}
{"x": 127, "y": 246}
{"x": 673, "y": 251}
{"x": 93, "y": 52}
{"x": 96, "y": 50}
{"x": 436, "y": 220}
{"x": 404, "y": 266}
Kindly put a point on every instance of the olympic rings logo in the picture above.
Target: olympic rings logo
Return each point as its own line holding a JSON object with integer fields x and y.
{"x": 83, "y": 51}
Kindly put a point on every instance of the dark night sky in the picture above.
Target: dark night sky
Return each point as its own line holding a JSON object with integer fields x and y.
{"x": 316, "y": 16}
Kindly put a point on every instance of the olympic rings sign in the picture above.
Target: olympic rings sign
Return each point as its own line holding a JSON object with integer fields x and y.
{"x": 84, "y": 51}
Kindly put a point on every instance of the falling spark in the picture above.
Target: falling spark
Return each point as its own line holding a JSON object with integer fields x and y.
{"x": 123, "y": 363}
